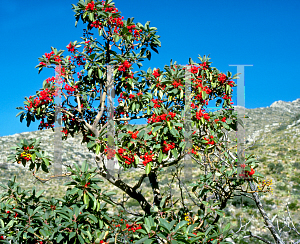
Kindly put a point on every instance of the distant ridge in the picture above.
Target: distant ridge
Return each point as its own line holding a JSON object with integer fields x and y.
{"x": 291, "y": 107}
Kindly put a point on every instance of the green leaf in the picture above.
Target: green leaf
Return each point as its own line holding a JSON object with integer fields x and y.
{"x": 209, "y": 229}
{"x": 10, "y": 223}
{"x": 22, "y": 112}
{"x": 144, "y": 240}
{"x": 156, "y": 129}
{"x": 91, "y": 16}
{"x": 71, "y": 235}
{"x": 97, "y": 149}
{"x": 160, "y": 156}
{"x": 174, "y": 132}
{"x": 175, "y": 153}
{"x": 84, "y": 15}
{"x": 81, "y": 239}
{"x": 136, "y": 159}
{"x": 84, "y": 166}
{"x": 169, "y": 125}
{"x": 42, "y": 232}
{"x": 224, "y": 125}
{"x": 90, "y": 72}
{"x": 116, "y": 38}
{"x": 148, "y": 168}
{"x": 91, "y": 144}
{"x": 37, "y": 195}
{"x": 226, "y": 227}
{"x": 100, "y": 74}
{"x": 46, "y": 161}
{"x": 180, "y": 225}
{"x": 2, "y": 223}
{"x": 165, "y": 224}
{"x": 59, "y": 238}
{"x": 33, "y": 156}
{"x": 86, "y": 199}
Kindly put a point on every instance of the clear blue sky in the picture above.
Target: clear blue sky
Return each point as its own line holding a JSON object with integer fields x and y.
{"x": 264, "y": 34}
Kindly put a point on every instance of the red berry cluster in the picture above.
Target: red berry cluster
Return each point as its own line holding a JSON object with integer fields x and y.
{"x": 133, "y": 227}
{"x": 247, "y": 173}
{"x": 176, "y": 84}
{"x": 90, "y": 6}
{"x": 137, "y": 34}
{"x": 167, "y": 147}
{"x": 122, "y": 97}
{"x": 204, "y": 66}
{"x": 222, "y": 77}
{"x": 209, "y": 141}
{"x": 194, "y": 69}
{"x": 48, "y": 55}
{"x": 117, "y": 23}
{"x": 56, "y": 57}
{"x": 129, "y": 75}
{"x": 16, "y": 214}
{"x": 112, "y": 9}
{"x": 199, "y": 115}
{"x": 159, "y": 118}
{"x": 50, "y": 79}
{"x": 223, "y": 120}
{"x": 87, "y": 184}
{"x": 206, "y": 89}
{"x": 231, "y": 83}
{"x": 194, "y": 106}
{"x": 225, "y": 97}
{"x": 79, "y": 61}
{"x": 71, "y": 48}
{"x": 43, "y": 125}
{"x": 130, "y": 28}
{"x": 2, "y": 238}
{"x": 24, "y": 155}
{"x": 124, "y": 66}
{"x": 70, "y": 89}
{"x": 96, "y": 24}
{"x": 147, "y": 158}
{"x": 133, "y": 134}
{"x": 44, "y": 97}
{"x": 156, "y": 73}
{"x": 155, "y": 101}
{"x": 194, "y": 152}
{"x": 65, "y": 131}
{"x": 123, "y": 154}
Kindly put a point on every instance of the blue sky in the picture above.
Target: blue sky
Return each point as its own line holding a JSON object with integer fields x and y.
{"x": 264, "y": 34}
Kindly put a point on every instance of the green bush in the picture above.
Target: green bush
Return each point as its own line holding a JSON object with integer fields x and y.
{"x": 275, "y": 168}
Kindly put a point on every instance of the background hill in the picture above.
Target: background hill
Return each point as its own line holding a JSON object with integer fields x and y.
{"x": 272, "y": 133}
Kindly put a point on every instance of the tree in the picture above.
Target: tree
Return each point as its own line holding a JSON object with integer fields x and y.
{"x": 168, "y": 141}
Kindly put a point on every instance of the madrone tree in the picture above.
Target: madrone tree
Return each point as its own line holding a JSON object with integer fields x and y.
{"x": 173, "y": 133}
